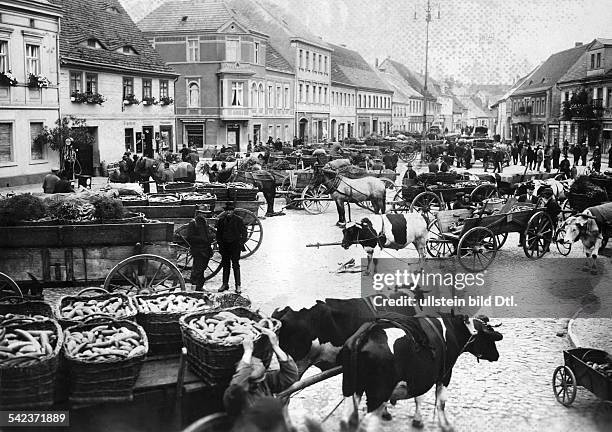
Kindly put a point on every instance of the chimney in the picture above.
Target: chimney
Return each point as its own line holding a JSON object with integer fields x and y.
{"x": 376, "y": 62}
{"x": 577, "y": 44}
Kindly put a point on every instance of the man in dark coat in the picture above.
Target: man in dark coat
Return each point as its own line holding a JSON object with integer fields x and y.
{"x": 200, "y": 241}
{"x": 565, "y": 168}
{"x": 556, "y": 155}
{"x": 185, "y": 153}
{"x": 596, "y": 159}
{"x": 467, "y": 156}
{"x": 498, "y": 157}
{"x": 584, "y": 152}
{"x": 576, "y": 153}
{"x": 50, "y": 181}
{"x": 459, "y": 150}
{"x": 565, "y": 148}
{"x": 231, "y": 237}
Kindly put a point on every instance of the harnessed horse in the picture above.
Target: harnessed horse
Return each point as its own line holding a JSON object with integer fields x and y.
{"x": 262, "y": 180}
{"x": 345, "y": 190}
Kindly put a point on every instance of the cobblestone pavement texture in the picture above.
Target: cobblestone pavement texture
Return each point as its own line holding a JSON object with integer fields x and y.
{"x": 512, "y": 394}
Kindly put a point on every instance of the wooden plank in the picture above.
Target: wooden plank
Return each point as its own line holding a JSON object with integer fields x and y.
{"x": 68, "y": 259}
{"x": 44, "y": 266}
{"x": 249, "y": 205}
{"x": 84, "y": 235}
{"x": 161, "y": 373}
{"x": 166, "y": 212}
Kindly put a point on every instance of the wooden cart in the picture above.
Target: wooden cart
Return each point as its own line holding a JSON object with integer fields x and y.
{"x": 579, "y": 370}
{"x": 475, "y": 240}
{"x": 127, "y": 256}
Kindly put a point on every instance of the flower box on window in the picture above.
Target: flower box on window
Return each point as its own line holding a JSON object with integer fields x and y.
{"x": 38, "y": 81}
{"x": 8, "y": 79}
{"x": 130, "y": 100}
{"x": 89, "y": 98}
{"x": 149, "y": 101}
{"x": 166, "y": 100}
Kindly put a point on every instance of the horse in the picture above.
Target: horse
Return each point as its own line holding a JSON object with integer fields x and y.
{"x": 182, "y": 171}
{"x": 344, "y": 190}
{"x": 144, "y": 168}
{"x": 262, "y": 180}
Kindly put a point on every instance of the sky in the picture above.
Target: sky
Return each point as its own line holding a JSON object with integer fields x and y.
{"x": 474, "y": 41}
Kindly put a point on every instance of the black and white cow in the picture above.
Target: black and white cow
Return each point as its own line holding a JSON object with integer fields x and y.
{"x": 392, "y": 231}
{"x": 592, "y": 228}
{"x": 387, "y": 361}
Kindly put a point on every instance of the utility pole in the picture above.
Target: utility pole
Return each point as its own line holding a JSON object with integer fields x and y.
{"x": 428, "y": 19}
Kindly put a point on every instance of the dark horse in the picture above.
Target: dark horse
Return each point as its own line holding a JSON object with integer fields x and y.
{"x": 262, "y": 180}
{"x": 343, "y": 189}
{"x": 146, "y": 168}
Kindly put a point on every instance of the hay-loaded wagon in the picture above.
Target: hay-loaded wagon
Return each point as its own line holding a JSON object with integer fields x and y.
{"x": 475, "y": 238}
{"x": 131, "y": 255}
{"x": 434, "y": 192}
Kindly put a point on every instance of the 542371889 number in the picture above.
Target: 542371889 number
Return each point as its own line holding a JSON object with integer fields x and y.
{"x": 34, "y": 418}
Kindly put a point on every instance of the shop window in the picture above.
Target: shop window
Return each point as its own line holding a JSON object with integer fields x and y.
{"x": 38, "y": 149}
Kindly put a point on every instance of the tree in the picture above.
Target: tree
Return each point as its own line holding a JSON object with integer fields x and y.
{"x": 581, "y": 109}
{"x": 66, "y": 127}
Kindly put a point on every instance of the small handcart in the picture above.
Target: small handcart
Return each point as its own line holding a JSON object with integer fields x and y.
{"x": 584, "y": 367}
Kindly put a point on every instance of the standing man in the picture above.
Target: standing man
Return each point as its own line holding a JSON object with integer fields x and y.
{"x": 547, "y": 157}
{"x": 231, "y": 237}
{"x": 185, "y": 153}
{"x": 167, "y": 176}
{"x": 499, "y": 161}
{"x": 459, "y": 150}
{"x": 576, "y": 153}
{"x": 200, "y": 241}
{"x": 515, "y": 153}
{"x": 565, "y": 148}
{"x": 467, "y": 156}
{"x": 596, "y": 159}
{"x": 50, "y": 181}
{"x": 565, "y": 168}
{"x": 584, "y": 152}
{"x": 556, "y": 155}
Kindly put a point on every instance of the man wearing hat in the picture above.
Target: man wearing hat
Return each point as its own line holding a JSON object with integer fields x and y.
{"x": 231, "y": 237}
{"x": 200, "y": 240}
{"x": 50, "y": 181}
{"x": 251, "y": 380}
{"x": 410, "y": 176}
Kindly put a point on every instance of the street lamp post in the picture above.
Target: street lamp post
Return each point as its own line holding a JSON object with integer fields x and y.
{"x": 428, "y": 19}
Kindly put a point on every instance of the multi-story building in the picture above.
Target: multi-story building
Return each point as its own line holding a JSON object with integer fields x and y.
{"x": 459, "y": 115}
{"x": 407, "y": 114}
{"x": 592, "y": 75}
{"x": 370, "y": 101}
{"x": 343, "y": 110}
{"x": 29, "y": 33}
{"x": 416, "y": 82}
{"x": 113, "y": 79}
{"x": 234, "y": 87}
{"x": 503, "y": 122}
{"x": 536, "y": 104}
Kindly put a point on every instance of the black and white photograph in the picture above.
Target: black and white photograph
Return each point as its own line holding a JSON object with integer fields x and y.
{"x": 305, "y": 215}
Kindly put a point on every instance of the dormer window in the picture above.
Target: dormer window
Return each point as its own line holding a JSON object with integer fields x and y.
{"x": 127, "y": 49}
{"x": 112, "y": 10}
{"x": 93, "y": 43}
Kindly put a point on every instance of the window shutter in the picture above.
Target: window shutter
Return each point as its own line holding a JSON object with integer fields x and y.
{"x": 6, "y": 147}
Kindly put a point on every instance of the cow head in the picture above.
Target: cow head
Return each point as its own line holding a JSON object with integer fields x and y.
{"x": 351, "y": 234}
{"x": 483, "y": 338}
{"x": 578, "y": 226}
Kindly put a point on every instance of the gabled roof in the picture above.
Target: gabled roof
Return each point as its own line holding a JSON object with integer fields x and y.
{"x": 107, "y": 22}
{"x": 413, "y": 79}
{"x": 349, "y": 65}
{"x": 458, "y": 107}
{"x": 578, "y": 71}
{"x": 190, "y": 16}
{"x": 549, "y": 73}
{"x": 281, "y": 27}
{"x": 276, "y": 61}
{"x": 402, "y": 92}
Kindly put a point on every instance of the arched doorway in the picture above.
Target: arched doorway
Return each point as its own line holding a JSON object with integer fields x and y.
{"x": 334, "y": 130}
{"x": 302, "y": 130}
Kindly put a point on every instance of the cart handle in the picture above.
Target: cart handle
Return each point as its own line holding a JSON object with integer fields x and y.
{"x": 102, "y": 290}
{"x": 307, "y": 382}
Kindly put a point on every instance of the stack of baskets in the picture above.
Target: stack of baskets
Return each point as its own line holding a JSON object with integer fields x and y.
{"x": 28, "y": 382}
{"x": 242, "y": 193}
{"x": 98, "y": 377}
{"x": 73, "y": 310}
{"x": 162, "y": 327}
{"x": 197, "y": 198}
{"x": 216, "y": 363}
{"x": 21, "y": 306}
{"x": 219, "y": 190}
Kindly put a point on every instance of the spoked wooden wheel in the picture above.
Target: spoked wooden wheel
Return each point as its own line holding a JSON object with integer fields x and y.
{"x": 437, "y": 246}
{"x": 566, "y": 210}
{"x": 184, "y": 261}
{"x": 426, "y": 203}
{"x": 315, "y": 200}
{"x": 254, "y": 231}
{"x": 538, "y": 235}
{"x": 484, "y": 192}
{"x": 399, "y": 204}
{"x": 564, "y": 385}
{"x": 8, "y": 287}
{"x": 501, "y": 239}
{"x": 142, "y": 274}
{"x": 477, "y": 249}
{"x": 407, "y": 154}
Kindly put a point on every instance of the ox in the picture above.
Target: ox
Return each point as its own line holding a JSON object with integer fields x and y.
{"x": 404, "y": 359}
{"x": 315, "y": 336}
{"x": 392, "y": 231}
{"x": 591, "y": 227}
{"x": 560, "y": 188}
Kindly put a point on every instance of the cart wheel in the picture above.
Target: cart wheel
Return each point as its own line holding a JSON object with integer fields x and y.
{"x": 501, "y": 239}
{"x": 437, "y": 246}
{"x": 286, "y": 184}
{"x": 315, "y": 200}
{"x": 477, "y": 249}
{"x": 254, "y": 231}
{"x": 8, "y": 287}
{"x": 566, "y": 210}
{"x": 563, "y": 247}
{"x": 564, "y": 385}
{"x": 538, "y": 235}
{"x": 484, "y": 192}
{"x": 144, "y": 273}
{"x": 426, "y": 203}
{"x": 399, "y": 204}
{"x": 406, "y": 154}
{"x": 184, "y": 261}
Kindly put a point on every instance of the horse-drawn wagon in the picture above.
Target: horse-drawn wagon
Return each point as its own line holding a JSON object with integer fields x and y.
{"x": 476, "y": 238}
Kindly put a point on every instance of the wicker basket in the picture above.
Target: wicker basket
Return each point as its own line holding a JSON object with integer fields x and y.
{"x": 32, "y": 386}
{"x": 163, "y": 329}
{"x": 170, "y": 203}
{"x": 104, "y": 295}
{"x": 107, "y": 380}
{"x": 214, "y": 363}
{"x": 178, "y": 187}
{"x": 202, "y": 199}
{"x": 494, "y": 204}
{"x": 135, "y": 203}
{"x": 20, "y": 306}
{"x": 230, "y": 300}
